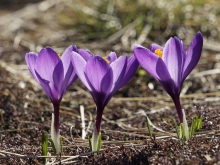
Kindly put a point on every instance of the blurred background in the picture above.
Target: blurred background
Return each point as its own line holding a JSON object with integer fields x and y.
{"x": 107, "y": 24}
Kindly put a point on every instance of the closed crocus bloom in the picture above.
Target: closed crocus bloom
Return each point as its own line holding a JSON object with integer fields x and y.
{"x": 55, "y": 74}
{"x": 103, "y": 76}
{"x": 171, "y": 64}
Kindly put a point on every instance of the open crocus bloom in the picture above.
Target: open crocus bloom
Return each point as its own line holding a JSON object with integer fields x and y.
{"x": 171, "y": 64}
{"x": 103, "y": 76}
{"x": 55, "y": 74}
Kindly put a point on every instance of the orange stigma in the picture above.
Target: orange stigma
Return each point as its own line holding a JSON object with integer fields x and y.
{"x": 59, "y": 55}
{"x": 158, "y": 52}
{"x": 106, "y": 59}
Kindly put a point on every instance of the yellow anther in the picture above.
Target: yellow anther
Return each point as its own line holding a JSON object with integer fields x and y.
{"x": 59, "y": 55}
{"x": 158, "y": 52}
{"x": 106, "y": 59}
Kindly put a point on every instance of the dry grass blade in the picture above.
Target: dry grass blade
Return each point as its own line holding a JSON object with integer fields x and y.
{"x": 119, "y": 33}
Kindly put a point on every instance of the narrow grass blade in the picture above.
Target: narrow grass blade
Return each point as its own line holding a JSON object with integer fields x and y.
{"x": 90, "y": 145}
{"x": 199, "y": 123}
{"x": 182, "y": 131}
{"x": 53, "y": 146}
{"x": 44, "y": 145}
{"x": 99, "y": 141}
{"x": 148, "y": 127}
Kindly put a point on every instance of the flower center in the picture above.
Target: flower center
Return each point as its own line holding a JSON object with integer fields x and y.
{"x": 59, "y": 55}
{"x": 106, "y": 59}
{"x": 158, "y": 52}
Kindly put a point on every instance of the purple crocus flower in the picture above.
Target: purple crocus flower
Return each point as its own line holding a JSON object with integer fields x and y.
{"x": 171, "y": 64}
{"x": 55, "y": 74}
{"x": 103, "y": 76}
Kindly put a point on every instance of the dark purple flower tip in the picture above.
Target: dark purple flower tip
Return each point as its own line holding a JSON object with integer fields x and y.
{"x": 112, "y": 57}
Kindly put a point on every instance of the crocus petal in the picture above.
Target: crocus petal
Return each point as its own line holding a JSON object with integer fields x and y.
{"x": 106, "y": 83}
{"x": 30, "y": 59}
{"x": 70, "y": 76}
{"x": 103, "y": 96}
{"x": 97, "y": 73}
{"x": 45, "y": 84}
{"x": 84, "y": 53}
{"x": 149, "y": 61}
{"x": 173, "y": 56}
{"x": 112, "y": 57}
{"x": 46, "y": 62}
{"x": 131, "y": 68}
{"x": 156, "y": 67}
{"x": 74, "y": 48}
{"x": 79, "y": 64}
{"x": 69, "y": 72}
{"x": 154, "y": 47}
{"x": 118, "y": 68}
{"x": 57, "y": 83}
{"x": 193, "y": 54}
{"x": 69, "y": 50}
